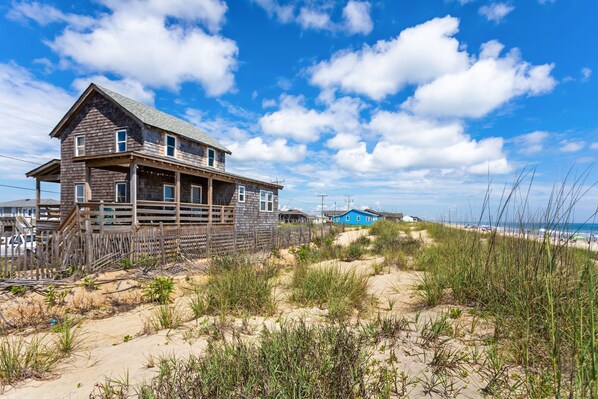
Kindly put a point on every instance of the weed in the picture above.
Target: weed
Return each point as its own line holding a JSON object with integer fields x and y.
{"x": 455, "y": 313}
{"x": 377, "y": 268}
{"x": 159, "y": 289}
{"x": 166, "y": 317}
{"x": 54, "y": 297}
{"x": 90, "y": 284}
{"x": 68, "y": 338}
{"x": 20, "y": 359}
{"x": 18, "y": 290}
{"x": 353, "y": 251}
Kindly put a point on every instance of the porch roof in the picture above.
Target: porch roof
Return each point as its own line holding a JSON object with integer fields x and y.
{"x": 49, "y": 172}
{"x": 124, "y": 159}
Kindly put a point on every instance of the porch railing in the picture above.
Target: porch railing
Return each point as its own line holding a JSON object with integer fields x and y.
{"x": 119, "y": 216}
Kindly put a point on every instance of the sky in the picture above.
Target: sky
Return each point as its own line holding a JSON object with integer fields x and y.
{"x": 405, "y": 106}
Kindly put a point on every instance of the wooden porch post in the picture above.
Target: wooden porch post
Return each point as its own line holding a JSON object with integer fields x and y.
{"x": 177, "y": 196}
{"x": 87, "y": 184}
{"x": 38, "y": 198}
{"x": 210, "y": 200}
{"x": 133, "y": 191}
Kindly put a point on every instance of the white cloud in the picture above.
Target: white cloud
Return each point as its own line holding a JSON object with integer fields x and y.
{"x": 318, "y": 15}
{"x": 496, "y": 12}
{"x": 488, "y": 83}
{"x": 572, "y": 146}
{"x": 594, "y": 146}
{"x": 585, "y": 74}
{"x": 257, "y": 150}
{"x": 294, "y": 120}
{"x": 126, "y": 87}
{"x": 343, "y": 140}
{"x": 357, "y": 17}
{"x": 531, "y": 143}
{"x": 29, "y": 110}
{"x": 417, "y": 55}
{"x": 45, "y": 14}
{"x": 118, "y": 41}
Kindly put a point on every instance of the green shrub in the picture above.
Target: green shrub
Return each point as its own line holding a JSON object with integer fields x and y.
{"x": 159, "y": 289}
{"x": 354, "y": 251}
{"x": 18, "y": 290}
{"x": 223, "y": 263}
{"x": 20, "y": 359}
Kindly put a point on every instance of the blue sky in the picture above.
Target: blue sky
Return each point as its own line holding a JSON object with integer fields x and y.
{"x": 405, "y": 107}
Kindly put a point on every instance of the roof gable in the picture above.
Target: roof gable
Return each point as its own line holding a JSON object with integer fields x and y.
{"x": 145, "y": 115}
{"x": 358, "y": 211}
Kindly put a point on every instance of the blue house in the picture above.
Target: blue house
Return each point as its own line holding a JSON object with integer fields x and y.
{"x": 356, "y": 217}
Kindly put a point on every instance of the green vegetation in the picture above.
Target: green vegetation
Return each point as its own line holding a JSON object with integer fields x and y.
{"x": 90, "y": 284}
{"x": 68, "y": 338}
{"x": 393, "y": 241}
{"x": 166, "y": 316}
{"x": 296, "y": 361}
{"x": 159, "y": 289}
{"x": 21, "y": 359}
{"x": 236, "y": 287}
{"x": 18, "y": 290}
{"x": 339, "y": 291}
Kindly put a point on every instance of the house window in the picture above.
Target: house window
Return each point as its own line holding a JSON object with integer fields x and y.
{"x": 121, "y": 140}
{"x": 368, "y": 219}
{"x": 79, "y": 192}
{"x": 170, "y": 145}
{"x": 211, "y": 158}
{"x": 196, "y": 192}
{"x": 241, "y": 193}
{"x": 266, "y": 201}
{"x": 121, "y": 192}
{"x": 347, "y": 218}
{"x": 358, "y": 218}
{"x": 168, "y": 193}
{"x": 79, "y": 146}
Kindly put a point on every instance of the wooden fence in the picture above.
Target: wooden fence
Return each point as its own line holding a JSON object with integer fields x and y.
{"x": 53, "y": 256}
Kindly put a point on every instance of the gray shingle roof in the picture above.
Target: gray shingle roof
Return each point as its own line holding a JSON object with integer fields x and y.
{"x": 27, "y": 203}
{"x": 158, "y": 119}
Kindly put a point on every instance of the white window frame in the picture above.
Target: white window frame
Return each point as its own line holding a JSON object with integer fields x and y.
{"x": 347, "y": 218}
{"x": 266, "y": 201}
{"x": 242, "y": 194}
{"x": 164, "y": 192}
{"x": 79, "y": 149}
{"x": 211, "y": 158}
{"x": 359, "y": 218}
{"x": 118, "y": 142}
{"x": 368, "y": 218}
{"x": 120, "y": 183}
{"x": 200, "y": 194}
{"x": 166, "y": 146}
{"x": 82, "y": 197}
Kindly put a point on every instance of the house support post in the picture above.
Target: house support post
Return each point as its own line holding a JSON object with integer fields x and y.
{"x": 177, "y": 196}
{"x": 210, "y": 195}
{"x": 133, "y": 192}
{"x": 38, "y": 198}
{"x": 87, "y": 184}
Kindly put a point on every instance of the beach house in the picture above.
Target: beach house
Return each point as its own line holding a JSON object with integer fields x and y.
{"x": 357, "y": 217}
{"x": 125, "y": 165}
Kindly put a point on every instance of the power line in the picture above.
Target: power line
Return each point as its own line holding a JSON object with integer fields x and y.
{"x": 26, "y": 111}
{"x": 27, "y": 188}
{"x": 18, "y": 159}
{"x": 25, "y": 119}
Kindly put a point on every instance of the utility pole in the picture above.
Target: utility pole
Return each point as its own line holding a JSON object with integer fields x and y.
{"x": 349, "y": 201}
{"x": 322, "y": 196}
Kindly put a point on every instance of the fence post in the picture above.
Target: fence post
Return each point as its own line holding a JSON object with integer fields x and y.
{"x": 162, "y": 249}
{"x": 209, "y": 239}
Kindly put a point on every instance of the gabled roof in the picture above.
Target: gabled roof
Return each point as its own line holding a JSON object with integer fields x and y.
{"x": 27, "y": 203}
{"x": 358, "y": 211}
{"x": 146, "y": 115}
{"x": 50, "y": 171}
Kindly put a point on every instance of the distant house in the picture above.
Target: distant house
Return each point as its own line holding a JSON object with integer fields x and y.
{"x": 294, "y": 216}
{"x": 22, "y": 213}
{"x": 396, "y": 217}
{"x": 329, "y": 215}
{"x": 411, "y": 219}
{"x": 357, "y": 217}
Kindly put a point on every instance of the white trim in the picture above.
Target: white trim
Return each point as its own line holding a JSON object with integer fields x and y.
{"x": 116, "y": 184}
{"x": 78, "y": 153}
{"x": 164, "y": 192}
{"x": 200, "y": 194}
{"x": 119, "y": 142}
{"x": 213, "y": 158}
{"x": 358, "y": 219}
{"x": 244, "y": 194}
{"x": 267, "y": 201}
{"x": 166, "y": 146}
{"x": 82, "y": 185}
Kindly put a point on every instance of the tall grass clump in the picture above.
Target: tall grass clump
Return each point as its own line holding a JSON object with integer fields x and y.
{"x": 296, "y": 361}
{"x": 339, "y": 291}
{"x": 394, "y": 242}
{"x": 237, "y": 290}
{"x": 21, "y": 359}
{"x": 542, "y": 292}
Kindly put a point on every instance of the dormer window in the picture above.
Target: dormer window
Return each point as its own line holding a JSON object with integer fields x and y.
{"x": 79, "y": 146}
{"x": 121, "y": 140}
{"x": 170, "y": 145}
{"x": 211, "y": 158}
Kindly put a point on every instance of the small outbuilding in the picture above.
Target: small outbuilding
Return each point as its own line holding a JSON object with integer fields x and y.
{"x": 356, "y": 217}
{"x": 294, "y": 216}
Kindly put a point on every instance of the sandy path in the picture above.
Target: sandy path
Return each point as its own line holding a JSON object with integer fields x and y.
{"x": 349, "y": 236}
